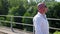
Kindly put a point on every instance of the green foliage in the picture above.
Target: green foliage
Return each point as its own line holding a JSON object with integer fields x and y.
{"x": 57, "y": 32}
{"x": 2, "y": 18}
{"x": 54, "y": 12}
{"x": 24, "y": 8}
{"x": 30, "y": 12}
{"x": 3, "y": 7}
{"x": 13, "y": 10}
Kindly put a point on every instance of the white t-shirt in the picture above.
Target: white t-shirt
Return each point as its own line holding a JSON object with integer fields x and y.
{"x": 40, "y": 23}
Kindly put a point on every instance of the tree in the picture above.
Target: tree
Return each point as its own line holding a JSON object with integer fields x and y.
{"x": 17, "y": 8}
{"x": 4, "y": 7}
{"x": 54, "y": 12}
{"x": 30, "y": 12}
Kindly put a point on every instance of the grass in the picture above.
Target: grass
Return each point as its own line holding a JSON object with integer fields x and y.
{"x": 57, "y": 32}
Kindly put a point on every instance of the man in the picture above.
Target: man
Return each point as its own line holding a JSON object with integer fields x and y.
{"x": 40, "y": 21}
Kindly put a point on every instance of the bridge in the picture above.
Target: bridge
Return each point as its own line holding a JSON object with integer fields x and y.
{"x": 11, "y": 30}
{"x": 7, "y": 30}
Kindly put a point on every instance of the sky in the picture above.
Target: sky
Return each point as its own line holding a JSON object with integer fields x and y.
{"x": 58, "y": 0}
{"x": 55, "y": 0}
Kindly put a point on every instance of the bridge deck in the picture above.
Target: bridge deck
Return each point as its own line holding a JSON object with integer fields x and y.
{"x": 7, "y": 30}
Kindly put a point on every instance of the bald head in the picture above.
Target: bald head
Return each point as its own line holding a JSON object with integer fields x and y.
{"x": 42, "y": 7}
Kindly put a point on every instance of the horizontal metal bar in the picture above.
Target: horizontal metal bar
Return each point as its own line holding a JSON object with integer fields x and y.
{"x": 54, "y": 28}
{"x": 15, "y": 16}
{"x": 28, "y": 24}
{"x": 27, "y": 17}
{"x": 52, "y": 19}
{"x": 16, "y": 23}
{"x": 24, "y": 24}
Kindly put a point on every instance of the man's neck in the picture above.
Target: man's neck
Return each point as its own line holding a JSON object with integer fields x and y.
{"x": 42, "y": 13}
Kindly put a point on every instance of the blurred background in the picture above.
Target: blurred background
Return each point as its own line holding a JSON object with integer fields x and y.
{"x": 28, "y": 8}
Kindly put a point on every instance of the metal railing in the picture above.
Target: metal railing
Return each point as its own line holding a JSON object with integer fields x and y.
{"x": 23, "y": 23}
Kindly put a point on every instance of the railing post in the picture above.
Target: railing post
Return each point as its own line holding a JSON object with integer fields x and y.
{"x": 33, "y": 30}
{"x": 11, "y": 25}
{"x": 0, "y": 23}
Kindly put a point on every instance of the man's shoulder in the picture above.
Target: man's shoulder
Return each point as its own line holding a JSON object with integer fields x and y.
{"x": 37, "y": 17}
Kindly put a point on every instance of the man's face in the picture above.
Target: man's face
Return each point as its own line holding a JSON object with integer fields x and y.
{"x": 43, "y": 10}
{"x": 46, "y": 9}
